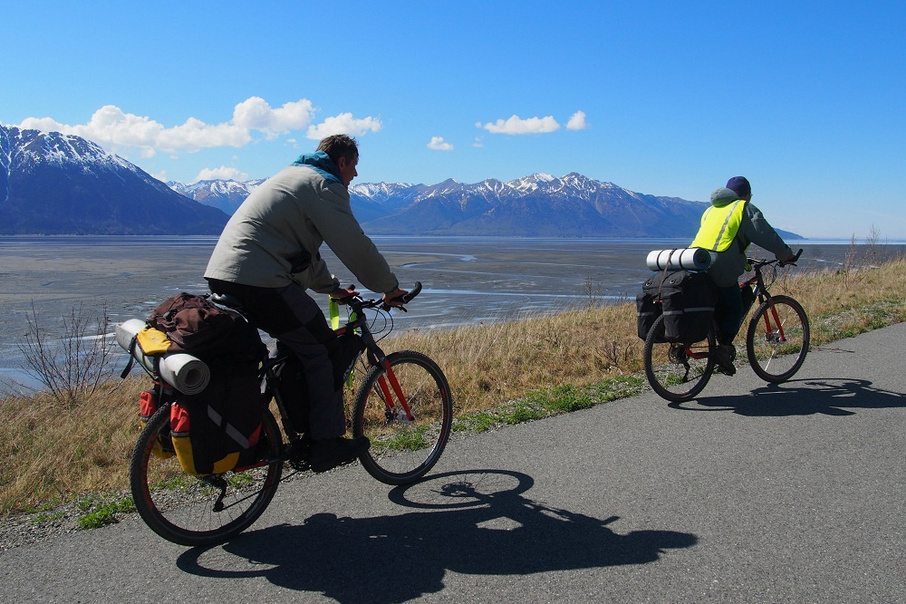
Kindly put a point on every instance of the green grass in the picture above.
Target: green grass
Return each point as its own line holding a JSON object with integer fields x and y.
{"x": 540, "y": 404}
{"x": 102, "y": 510}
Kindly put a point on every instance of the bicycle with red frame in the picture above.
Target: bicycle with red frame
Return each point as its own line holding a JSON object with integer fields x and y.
{"x": 777, "y": 340}
{"x": 403, "y": 405}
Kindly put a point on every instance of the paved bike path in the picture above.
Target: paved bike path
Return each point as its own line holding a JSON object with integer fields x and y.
{"x": 752, "y": 493}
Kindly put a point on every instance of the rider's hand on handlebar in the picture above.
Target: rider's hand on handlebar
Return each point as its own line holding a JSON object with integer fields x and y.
{"x": 791, "y": 261}
{"x": 394, "y": 299}
{"x": 343, "y": 294}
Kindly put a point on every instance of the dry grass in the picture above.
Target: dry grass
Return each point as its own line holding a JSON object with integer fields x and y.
{"x": 494, "y": 363}
{"x": 52, "y": 454}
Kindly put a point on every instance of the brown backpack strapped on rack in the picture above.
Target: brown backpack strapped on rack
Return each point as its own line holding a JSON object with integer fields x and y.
{"x": 198, "y": 327}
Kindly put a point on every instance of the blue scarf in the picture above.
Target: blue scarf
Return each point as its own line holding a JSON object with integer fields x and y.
{"x": 321, "y": 163}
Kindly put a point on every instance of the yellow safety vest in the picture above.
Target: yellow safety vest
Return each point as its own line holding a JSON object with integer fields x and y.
{"x": 719, "y": 226}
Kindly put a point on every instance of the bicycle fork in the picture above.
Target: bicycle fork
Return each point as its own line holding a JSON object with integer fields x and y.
{"x": 390, "y": 386}
{"x": 770, "y": 334}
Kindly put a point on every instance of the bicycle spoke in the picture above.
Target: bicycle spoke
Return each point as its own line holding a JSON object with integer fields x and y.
{"x": 778, "y": 339}
{"x": 200, "y": 511}
{"x": 677, "y": 372}
{"x": 405, "y": 441}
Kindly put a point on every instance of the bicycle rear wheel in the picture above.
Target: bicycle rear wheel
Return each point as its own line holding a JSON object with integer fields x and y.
{"x": 404, "y": 447}
{"x": 677, "y": 372}
{"x": 778, "y": 339}
{"x": 184, "y": 509}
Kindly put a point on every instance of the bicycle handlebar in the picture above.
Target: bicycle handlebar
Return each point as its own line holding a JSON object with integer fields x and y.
{"x": 758, "y": 263}
{"x": 794, "y": 258}
{"x": 416, "y": 290}
{"x": 358, "y": 302}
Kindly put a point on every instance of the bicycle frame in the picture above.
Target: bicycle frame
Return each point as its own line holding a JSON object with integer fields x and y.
{"x": 762, "y": 294}
{"x": 356, "y": 325}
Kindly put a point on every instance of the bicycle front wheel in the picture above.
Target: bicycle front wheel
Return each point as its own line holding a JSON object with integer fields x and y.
{"x": 778, "y": 339}
{"x": 677, "y": 372}
{"x": 406, "y": 410}
{"x": 208, "y": 510}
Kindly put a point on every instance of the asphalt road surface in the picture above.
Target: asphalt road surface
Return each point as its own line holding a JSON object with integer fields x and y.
{"x": 752, "y": 493}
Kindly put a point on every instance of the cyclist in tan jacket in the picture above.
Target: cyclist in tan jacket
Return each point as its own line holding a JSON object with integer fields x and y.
{"x": 268, "y": 256}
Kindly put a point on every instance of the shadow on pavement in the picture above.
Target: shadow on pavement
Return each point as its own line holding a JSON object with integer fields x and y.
{"x": 473, "y": 522}
{"x": 831, "y": 396}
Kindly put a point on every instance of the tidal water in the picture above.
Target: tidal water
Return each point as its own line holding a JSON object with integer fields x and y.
{"x": 466, "y": 279}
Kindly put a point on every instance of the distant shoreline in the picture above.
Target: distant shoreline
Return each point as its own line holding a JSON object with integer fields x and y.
{"x": 163, "y": 239}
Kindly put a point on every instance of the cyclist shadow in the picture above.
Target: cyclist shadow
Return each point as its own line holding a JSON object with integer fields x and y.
{"x": 475, "y": 522}
{"x": 829, "y": 396}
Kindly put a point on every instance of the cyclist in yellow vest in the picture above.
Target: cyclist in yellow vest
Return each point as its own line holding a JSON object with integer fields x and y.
{"x": 727, "y": 229}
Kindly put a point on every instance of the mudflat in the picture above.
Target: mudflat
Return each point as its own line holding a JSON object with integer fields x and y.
{"x": 466, "y": 279}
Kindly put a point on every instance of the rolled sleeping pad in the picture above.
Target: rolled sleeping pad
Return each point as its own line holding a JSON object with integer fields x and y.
{"x": 693, "y": 258}
{"x": 188, "y": 374}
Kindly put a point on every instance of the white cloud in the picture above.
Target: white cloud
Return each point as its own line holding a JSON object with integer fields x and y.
{"x": 517, "y": 125}
{"x": 344, "y": 123}
{"x": 221, "y": 173}
{"x": 120, "y": 132}
{"x": 439, "y": 144}
{"x": 577, "y": 121}
{"x": 195, "y": 135}
{"x": 255, "y": 114}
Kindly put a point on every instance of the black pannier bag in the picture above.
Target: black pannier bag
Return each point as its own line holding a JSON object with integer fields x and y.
{"x": 219, "y": 428}
{"x": 688, "y": 305}
{"x": 648, "y": 304}
{"x": 685, "y": 298}
{"x": 293, "y": 386}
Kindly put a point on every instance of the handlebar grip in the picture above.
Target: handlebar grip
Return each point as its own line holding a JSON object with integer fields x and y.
{"x": 791, "y": 261}
{"x": 416, "y": 290}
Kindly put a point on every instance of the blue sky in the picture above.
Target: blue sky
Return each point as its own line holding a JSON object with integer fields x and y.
{"x": 806, "y": 99}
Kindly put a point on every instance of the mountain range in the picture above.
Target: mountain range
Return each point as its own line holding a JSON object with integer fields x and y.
{"x": 52, "y": 183}
{"x": 535, "y": 205}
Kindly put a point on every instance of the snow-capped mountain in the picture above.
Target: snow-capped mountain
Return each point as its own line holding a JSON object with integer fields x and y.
{"x": 225, "y": 195}
{"x": 51, "y": 183}
{"x": 537, "y": 204}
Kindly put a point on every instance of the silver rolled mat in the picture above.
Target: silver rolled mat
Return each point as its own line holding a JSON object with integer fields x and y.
{"x": 694, "y": 258}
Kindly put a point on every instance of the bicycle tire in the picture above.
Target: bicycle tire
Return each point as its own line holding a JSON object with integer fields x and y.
{"x": 179, "y": 507}
{"x": 672, "y": 373}
{"x": 404, "y": 450}
{"x": 772, "y": 360}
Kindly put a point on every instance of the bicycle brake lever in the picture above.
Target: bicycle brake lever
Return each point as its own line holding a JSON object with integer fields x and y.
{"x": 388, "y": 307}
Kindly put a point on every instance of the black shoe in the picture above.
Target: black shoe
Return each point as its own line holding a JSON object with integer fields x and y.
{"x": 724, "y": 357}
{"x": 333, "y": 452}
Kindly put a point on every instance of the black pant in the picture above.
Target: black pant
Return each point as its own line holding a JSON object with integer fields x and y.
{"x": 292, "y": 317}
{"x": 733, "y": 302}
{"x": 728, "y": 313}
